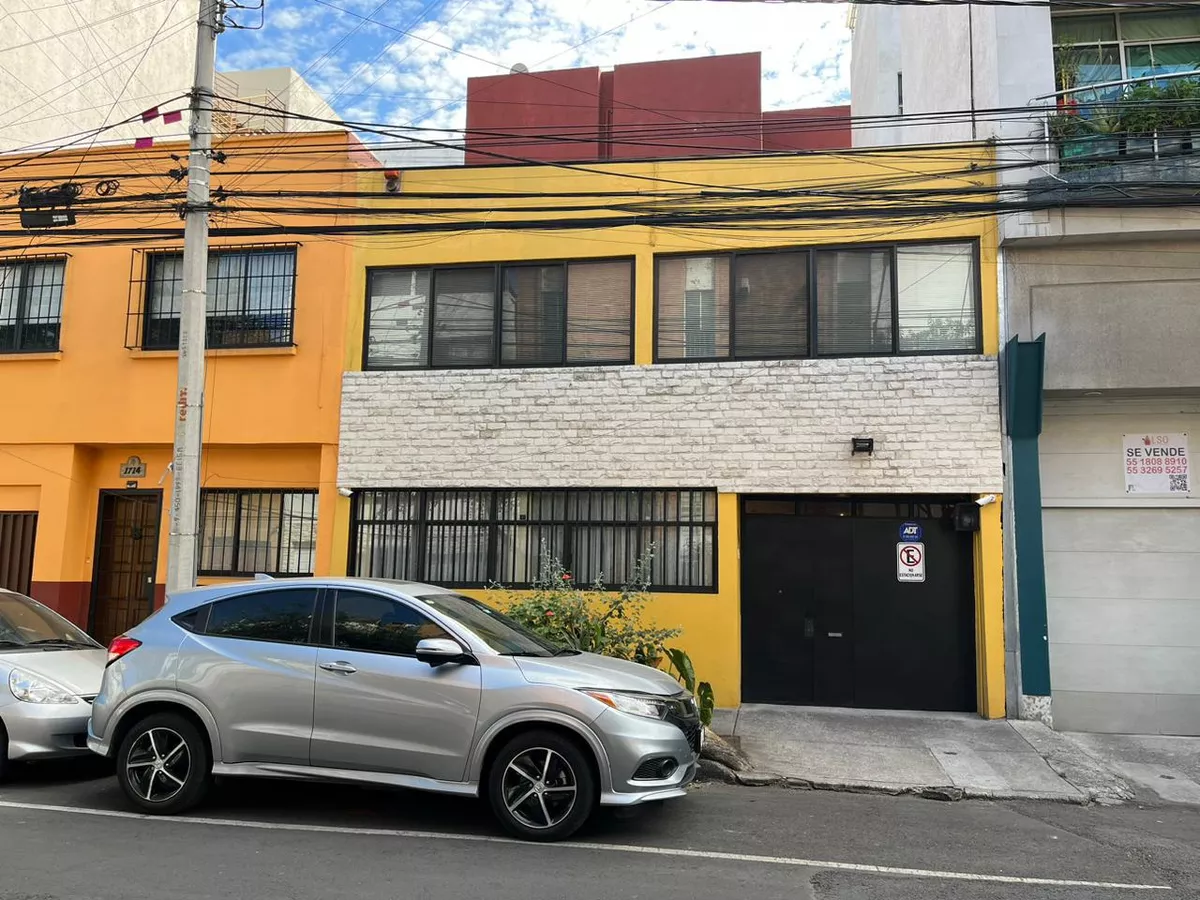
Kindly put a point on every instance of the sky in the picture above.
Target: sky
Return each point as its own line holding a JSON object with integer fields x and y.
{"x": 410, "y": 64}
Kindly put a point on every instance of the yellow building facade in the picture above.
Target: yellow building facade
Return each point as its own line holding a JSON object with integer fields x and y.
{"x": 690, "y": 367}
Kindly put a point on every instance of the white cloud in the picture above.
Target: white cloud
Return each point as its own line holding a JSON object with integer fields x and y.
{"x": 288, "y": 18}
{"x": 419, "y": 77}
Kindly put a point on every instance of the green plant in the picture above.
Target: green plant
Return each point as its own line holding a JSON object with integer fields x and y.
{"x": 1146, "y": 109}
{"x": 593, "y": 619}
{"x": 1184, "y": 95}
{"x": 1067, "y": 63}
{"x": 1105, "y": 120}
{"x": 1066, "y": 127}
{"x": 685, "y": 673}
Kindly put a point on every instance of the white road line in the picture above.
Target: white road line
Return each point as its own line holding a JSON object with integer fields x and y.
{"x": 583, "y": 845}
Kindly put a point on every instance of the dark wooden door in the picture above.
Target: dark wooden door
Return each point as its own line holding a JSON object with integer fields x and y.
{"x": 126, "y": 561}
{"x": 17, "y": 533}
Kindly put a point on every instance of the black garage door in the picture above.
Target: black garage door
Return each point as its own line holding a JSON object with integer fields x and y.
{"x": 825, "y": 619}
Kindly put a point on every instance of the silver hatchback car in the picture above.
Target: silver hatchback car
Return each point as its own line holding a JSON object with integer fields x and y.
{"x": 389, "y": 683}
{"x": 49, "y": 672}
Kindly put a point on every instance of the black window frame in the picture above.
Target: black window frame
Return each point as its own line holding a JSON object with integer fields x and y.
{"x": 498, "y": 267}
{"x": 240, "y": 494}
{"x": 204, "y": 619}
{"x": 213, "y": 341}
{"x": 814, "y": 251}
{"x": 327, "y": 636}
{"x": 416, "y": 531}
{"x": 20, "y": 321}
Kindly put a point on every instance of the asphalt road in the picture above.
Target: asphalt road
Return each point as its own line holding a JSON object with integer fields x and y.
{"x": 65, "y": 832}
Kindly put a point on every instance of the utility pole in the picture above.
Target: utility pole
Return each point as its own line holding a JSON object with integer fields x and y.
{"x": 183, "y": 541}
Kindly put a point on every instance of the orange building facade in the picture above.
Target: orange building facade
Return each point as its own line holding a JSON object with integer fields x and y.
{"x": 88, "y": 368}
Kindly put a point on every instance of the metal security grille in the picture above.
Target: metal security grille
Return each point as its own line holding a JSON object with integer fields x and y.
{"x": 17, "y": 533}
{"x": 797, "y": 302}
{"x": 251, "y": 299}
{"x": 257, "y": 532}
{"x": 473, "y": 538}
{"x": 31, "y": 304}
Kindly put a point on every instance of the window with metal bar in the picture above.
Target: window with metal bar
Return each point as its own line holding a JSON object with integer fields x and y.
{"x": 518, "y": 314}
{"x": 251, "y": 299}
{"x": 244, "y": 532}
{"x": 31, "y": 305}
{"x": 794, "y": 303}
{"x": 473, "y": 538}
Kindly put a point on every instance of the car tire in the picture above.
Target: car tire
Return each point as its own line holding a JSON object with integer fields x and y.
{"x": 3, "y": 753}
{"x": 541, "y": 786}
{"x": 163, "y": 764}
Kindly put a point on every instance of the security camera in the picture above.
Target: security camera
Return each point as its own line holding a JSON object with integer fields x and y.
{"x": 986, "y": 500}
{"x": 345, "y": 492}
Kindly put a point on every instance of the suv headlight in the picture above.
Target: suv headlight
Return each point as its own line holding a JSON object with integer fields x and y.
{"x": 635, "y": 704}
{"x": 32, "y": 688}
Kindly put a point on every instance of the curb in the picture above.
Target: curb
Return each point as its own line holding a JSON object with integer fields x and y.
{"x": 942, "y": 793}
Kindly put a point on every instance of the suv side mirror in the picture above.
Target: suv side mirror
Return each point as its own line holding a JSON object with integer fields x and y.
{"x": 437, "y": 651}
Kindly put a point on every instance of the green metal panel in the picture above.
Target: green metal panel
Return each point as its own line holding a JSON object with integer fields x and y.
{"x": 1024, "y": 378}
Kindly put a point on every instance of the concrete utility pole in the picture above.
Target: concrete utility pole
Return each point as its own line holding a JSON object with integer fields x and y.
{"x": 183, "y": 541}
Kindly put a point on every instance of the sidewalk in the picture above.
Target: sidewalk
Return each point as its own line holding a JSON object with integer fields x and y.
{"x": 941, "y": 755}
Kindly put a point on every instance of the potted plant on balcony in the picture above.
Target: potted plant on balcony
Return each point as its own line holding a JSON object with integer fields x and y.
{"x": 1067, "y": 65}
{"x": 1146, "y": 116}
{"x": 1070, "y": 133}
{"x": 1184, "y": 94}
{"x": 1103, "y": 132}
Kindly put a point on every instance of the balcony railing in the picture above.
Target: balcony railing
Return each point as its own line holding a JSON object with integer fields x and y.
{"x": 1154, "y": 117}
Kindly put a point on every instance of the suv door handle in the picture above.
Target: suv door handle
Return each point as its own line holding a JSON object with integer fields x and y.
{"x": 342, "y": 668}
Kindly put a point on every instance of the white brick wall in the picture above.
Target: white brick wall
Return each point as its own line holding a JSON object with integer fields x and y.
{"x": 743, "y": 427}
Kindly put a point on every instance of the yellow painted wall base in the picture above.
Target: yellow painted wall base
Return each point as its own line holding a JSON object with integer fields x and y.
{"x": 989, "y": 613}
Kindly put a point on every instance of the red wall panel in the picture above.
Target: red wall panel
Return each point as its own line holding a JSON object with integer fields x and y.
{"x": 817, "y": 128}
{"x": 564, "y": 102}
{"x": 709, "y": 106}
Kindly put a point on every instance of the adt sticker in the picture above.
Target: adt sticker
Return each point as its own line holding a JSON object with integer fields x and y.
{"x": 910, "y": 532}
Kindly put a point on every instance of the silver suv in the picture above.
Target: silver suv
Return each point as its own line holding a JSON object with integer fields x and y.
{"x": 389, "y": 683}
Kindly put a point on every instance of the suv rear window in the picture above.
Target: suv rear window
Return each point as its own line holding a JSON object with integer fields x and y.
{"x": 283, "y": 616}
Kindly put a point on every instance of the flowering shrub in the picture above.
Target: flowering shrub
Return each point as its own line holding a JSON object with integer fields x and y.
{"x": 593, "y": 619}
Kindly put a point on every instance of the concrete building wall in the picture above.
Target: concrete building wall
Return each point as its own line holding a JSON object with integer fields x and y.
{"x": 955, "y": 59}
{"x": 73, "y": 67}
{"x": 1122, "y": 573}
{"x": 282, "y": 87}
{"x": 1117, "y": 316}
{"x": 874, "y": 65}
{"x": 739, "y": 427}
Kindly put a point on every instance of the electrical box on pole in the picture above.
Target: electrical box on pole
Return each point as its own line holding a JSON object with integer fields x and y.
{"x": 183, "y": 540}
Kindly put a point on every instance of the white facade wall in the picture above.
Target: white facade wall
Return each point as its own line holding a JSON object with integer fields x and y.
{"x": 70, "y": 68}
{"x": 1122, "y": 572}
{"x": 73, "y": 67}
{"x": 955, "y": 59}
{"x": 740, "y": 427}
{"x": 283, "y": 88}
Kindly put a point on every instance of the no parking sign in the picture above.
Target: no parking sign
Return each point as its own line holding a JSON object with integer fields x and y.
{"x": 910, "y": 562}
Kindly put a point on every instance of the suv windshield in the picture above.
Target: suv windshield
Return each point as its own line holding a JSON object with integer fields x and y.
{"x": 26, "y": 623}
{"x": 498, "y": 631}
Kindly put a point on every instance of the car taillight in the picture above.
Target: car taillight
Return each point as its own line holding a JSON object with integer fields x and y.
{"x": 119, "y": 647}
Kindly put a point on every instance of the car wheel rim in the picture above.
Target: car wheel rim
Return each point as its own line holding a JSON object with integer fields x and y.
{"x": 158, "y": 765}
{"x": 539, "y": 788}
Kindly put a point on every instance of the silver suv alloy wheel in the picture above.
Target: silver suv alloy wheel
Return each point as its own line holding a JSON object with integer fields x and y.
{"x": 158, "y": 765}
{"x": 539, "y": 788}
